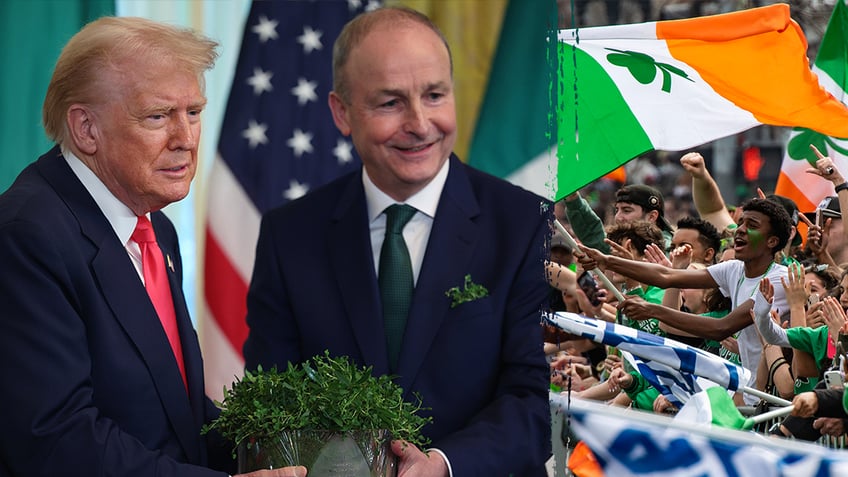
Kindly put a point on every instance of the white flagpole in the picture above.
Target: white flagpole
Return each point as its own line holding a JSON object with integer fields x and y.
{"x": 765, "y": 396}
{"x": 596, "y": 271}
{"x": 784, "y": 411}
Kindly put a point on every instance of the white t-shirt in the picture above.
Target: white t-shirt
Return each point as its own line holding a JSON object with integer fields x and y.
{"x": 731, "y": 280}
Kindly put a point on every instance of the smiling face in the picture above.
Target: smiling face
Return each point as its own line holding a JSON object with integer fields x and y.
{"x": 141, "y": 137}
{"x": 400, "y": 106}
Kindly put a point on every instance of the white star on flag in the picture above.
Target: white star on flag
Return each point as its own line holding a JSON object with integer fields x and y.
{"x": 311, "y": 39}
{"x": 274, "y": 116}
{"x": 305, "y": 91}
{"x": 343, "y": 151}
{"x": 255, "y": 134}
{"x": 300, "y": 142}
{"x": 295, "y": 190}
{"x": 266, "y": 29}
{"x": 261, "y": 81}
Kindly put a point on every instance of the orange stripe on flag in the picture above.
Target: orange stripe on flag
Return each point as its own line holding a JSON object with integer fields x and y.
{"x": 752, "y": 57}
{"x": 226, "y": 294}
{"x": 787, "y": 188}
{"x": 728, "y": 26}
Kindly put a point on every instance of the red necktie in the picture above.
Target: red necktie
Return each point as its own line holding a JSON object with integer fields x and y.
{"x": 156, "y": 282}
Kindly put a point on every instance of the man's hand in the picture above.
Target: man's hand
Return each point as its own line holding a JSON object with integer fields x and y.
{"x": 694, "y": 164}
{"x": 681, "y": 257}
{"x": 806, "y": 404}
{"x": 591, "y": 259}
{"x": 663, "y": 405}
{"x": 830, "y": 426}
{"x": 825, "y": 168}
{"x": 299, "y": 471}
{"x": 636, "y": 308}
{"x": 655, "y": 254}
{"x": 414, "y": 463}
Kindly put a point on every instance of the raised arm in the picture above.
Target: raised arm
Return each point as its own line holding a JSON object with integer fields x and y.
{"x": 717, "y": 329}
{"x": 826, "y": 168}
{"x": 648, "y": 273}
{"x": 586, "y": 224}
{"x": 705, "y": 192}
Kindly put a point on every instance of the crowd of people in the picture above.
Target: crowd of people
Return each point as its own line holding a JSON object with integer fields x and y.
{"x": 762, "y": 285}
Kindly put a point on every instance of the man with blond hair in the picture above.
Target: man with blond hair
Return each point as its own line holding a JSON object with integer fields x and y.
{"x": 102, "y": 373}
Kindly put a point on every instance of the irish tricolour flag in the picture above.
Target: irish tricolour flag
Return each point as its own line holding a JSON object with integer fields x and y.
{"x": 831, "y": 66}
{"x": 626, "y": 89}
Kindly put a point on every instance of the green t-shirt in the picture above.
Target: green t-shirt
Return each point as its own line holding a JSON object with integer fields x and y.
{"x": 641, "y": 392}
{"x": 813, "y": 341}
{"x": 713, "y": 344}
{"x": 651, "y": 294}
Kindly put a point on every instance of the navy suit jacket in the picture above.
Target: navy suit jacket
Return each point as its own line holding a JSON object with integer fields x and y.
{"x": 89, "y": 383}
{"x": 479, "y": 366}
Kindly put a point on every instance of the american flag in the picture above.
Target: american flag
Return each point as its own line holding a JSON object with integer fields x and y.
{"x": 278, "y": 141}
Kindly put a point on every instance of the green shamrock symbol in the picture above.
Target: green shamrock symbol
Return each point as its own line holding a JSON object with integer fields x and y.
{"x": 644, "y": 68}
{"x": 798, "y": 147}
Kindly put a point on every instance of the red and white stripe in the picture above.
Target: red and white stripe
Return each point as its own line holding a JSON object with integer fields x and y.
{"x": 232, "y": 229}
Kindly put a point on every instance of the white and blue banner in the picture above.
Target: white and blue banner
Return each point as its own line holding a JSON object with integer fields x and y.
{"x": 640, "y": 444}
{"x": 670, "y": 366}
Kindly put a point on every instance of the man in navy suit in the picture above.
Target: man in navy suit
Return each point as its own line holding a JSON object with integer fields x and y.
{"x": 91, "y": 382}
{"x": 475, "y": 359}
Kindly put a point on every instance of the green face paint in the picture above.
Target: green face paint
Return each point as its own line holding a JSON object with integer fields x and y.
{"x": 755, "y": 238}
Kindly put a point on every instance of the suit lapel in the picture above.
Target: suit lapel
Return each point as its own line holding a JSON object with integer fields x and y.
{"x": 453, "y": 238}
{"x": 128, "y": 300}
{"x": 359, "y": 291}
{"x": 192, "y": 357}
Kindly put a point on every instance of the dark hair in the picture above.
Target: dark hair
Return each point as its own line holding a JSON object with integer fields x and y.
{"x": 829, "y": 275}
{"x": 640, "y": 232}
{"x": 779, "y": 221}
{"x": 716, "y": 301}
{"x": 707, "y": 233}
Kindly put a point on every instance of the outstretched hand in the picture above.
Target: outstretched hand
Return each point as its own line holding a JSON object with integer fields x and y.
{"x": 590, "y": 259}
{"x": 794, "y": 285}
{"x": 767, "y": 289}
{"x": 636, "y": 308}
{"x": 835, "y": 317}
{"x": 655, "y": 254}
{"x": 624, "y": 250}
{"x": 825, "y": 168}
{"x": 681, "y": 257}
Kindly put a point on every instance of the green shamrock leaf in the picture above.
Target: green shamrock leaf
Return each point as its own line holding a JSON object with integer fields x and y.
{"x": 799, "y": 149}
{"x": 644, "y": 68}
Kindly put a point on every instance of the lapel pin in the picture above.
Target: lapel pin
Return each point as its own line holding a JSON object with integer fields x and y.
{"x": 170, "y": 263}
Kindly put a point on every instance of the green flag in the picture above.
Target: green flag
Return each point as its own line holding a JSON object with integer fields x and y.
{"x": 32, "y": 33}
{"x": 514, "y": 132}
{"x": 831, "y": 66}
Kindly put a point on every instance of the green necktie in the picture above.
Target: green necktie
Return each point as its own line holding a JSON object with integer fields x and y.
{"x": 395, "y": 278}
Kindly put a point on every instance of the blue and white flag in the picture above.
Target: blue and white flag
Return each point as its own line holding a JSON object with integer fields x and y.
{"x": 670, "y": 366}
{"x": 635, "y": 443}
{"x": 677, "y": 387}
